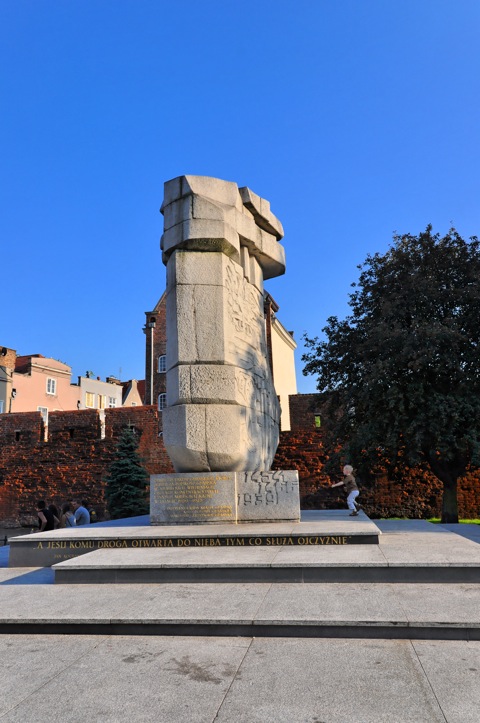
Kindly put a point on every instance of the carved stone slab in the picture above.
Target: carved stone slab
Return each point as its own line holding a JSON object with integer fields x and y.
{"x": 268, "y": 496}
{"x": 219, "y": 497}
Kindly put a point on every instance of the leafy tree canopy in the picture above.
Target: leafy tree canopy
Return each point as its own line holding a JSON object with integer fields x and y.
{"x": 127, "y": 479}
{"x": 404, "y": 366}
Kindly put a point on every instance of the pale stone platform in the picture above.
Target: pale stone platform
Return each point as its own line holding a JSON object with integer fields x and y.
{"x": 324, "y": 529}
{"x": 415, "y": 557}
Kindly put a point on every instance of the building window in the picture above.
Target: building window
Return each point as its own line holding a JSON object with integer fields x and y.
{"x": 101, "y": 401}
{"x": 162, "y": 363}
{"x": 1, "y": 406}
{"x": 44, "y": 413}
{"x": 51, "y": 386}
{"x": 162, "y": 402}
{"x": 112, "y": 402}
{"x": 90, "y": 400}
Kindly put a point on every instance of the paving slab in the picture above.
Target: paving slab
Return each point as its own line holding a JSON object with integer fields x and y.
{"x": 426, "y": 548}
{"x": 330, "y": 556}
{"x": 452, "y": 604}
{"x": 29, "y": 663}
{"x": 401, "y": 526}
{"x": 287, "y": 681}
{"x": 453, "y": 670}
{"x": 465, "y": 529}
{"x": 331, "y": 603}
{"x": 51, "y": 604}
{"x": 142, "y": 678}
{"x": 204, "y": 603}
{"x": 116, "y": 679}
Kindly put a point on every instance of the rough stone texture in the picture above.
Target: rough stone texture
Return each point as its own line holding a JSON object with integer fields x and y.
{"x": 218, "y": 497}
{"x": 268, "y": 496}
{"x": 219, "y": 244}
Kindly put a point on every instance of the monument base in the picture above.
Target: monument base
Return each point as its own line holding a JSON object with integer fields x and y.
{"x": 186, "y": 498}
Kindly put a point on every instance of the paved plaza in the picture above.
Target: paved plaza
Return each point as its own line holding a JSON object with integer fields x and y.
{"x": 58, "y": 674}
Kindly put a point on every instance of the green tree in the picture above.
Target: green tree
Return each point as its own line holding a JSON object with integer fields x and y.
{"x": 127, "y": 479}
{"x": 403, "y": 368}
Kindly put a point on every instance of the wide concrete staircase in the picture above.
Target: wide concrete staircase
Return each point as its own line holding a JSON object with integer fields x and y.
{"x": 317, "y": 579}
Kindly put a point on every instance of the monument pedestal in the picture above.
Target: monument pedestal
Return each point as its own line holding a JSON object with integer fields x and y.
{"x": 185, "y": 498}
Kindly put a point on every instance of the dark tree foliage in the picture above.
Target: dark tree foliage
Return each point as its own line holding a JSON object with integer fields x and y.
{"x": 402, "y": 370}
{"x": 127, "y": 480}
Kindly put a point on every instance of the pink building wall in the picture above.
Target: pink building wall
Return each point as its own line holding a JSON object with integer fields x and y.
{"x": 32, "y": 388}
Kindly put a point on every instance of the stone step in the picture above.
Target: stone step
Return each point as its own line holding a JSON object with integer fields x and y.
{"x": 417, "y": 557}
{"x": 381, "y": 611}
{"x": 333, "y": 528}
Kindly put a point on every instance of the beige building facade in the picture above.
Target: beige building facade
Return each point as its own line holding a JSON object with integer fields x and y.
{"x": 283, "y": 362}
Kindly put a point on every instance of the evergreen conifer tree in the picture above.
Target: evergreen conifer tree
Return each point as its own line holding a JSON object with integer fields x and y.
{"x": 127, "y": 479}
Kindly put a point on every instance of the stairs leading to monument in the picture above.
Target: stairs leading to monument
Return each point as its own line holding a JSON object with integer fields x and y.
{"x": 325, "y": 547}
{"x": 256, "y": 590}
{"x": 359, "y": 564}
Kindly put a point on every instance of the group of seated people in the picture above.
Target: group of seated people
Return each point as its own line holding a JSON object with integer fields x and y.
{"x": 72, "y": 514}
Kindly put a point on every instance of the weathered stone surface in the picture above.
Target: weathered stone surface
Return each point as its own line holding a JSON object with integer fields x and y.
{"x": 219, "y": 244}
{"x": 184, "y": 498}
{"x": 268, "y": 496}
{"x": 260, "y": 209}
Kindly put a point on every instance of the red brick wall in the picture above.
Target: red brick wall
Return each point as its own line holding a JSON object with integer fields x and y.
{"x": 9, "y": 359}
{"x": 75, "y": 459}
{"x": 73, "y": 462}
{"x": 159, "y": 336}
{"x": 416, "y": 493}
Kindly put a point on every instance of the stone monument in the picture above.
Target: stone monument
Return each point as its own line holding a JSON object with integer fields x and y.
{"x": 222, "y": 419}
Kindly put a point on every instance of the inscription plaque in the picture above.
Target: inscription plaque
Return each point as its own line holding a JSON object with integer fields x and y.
{"x": 217, "y": 497}
{"x": 190, "y": 498}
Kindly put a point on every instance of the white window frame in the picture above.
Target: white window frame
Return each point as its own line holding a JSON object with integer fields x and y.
{"x": 101, "y": 401}
{"x": 162, "y": 363}
{"x": 112, "y": 402}
{"x": 90, "y": 406}
{"x": 2, "y": 404}
{"x": 52, "y": 386}
{"x": 162, "y": 401}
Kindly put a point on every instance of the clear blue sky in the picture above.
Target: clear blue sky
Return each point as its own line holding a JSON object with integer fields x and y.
{"x": 354, "y": 118}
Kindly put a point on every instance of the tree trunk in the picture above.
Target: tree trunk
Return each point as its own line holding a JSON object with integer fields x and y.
{"x": 449, "y": 502}
{"x": 448, "y": 473}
